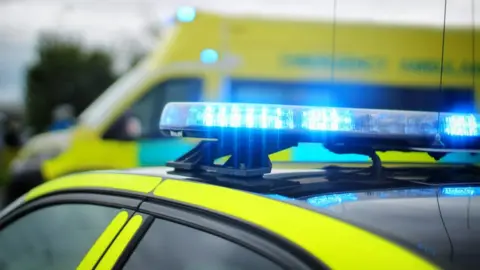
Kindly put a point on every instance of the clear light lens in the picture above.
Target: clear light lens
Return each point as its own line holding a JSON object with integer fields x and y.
{"x": 460, "y": 124}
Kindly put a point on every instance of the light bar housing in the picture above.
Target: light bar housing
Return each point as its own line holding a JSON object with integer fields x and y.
{"x": 211, "y": 120}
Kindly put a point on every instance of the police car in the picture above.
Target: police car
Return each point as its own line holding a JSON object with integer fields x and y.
{"x": 199, "y": 213}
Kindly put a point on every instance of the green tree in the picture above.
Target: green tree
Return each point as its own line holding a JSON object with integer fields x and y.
{"x": 65, "y": 72}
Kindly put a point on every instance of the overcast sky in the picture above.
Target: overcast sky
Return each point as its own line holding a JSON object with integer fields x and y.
{"x": 117, "y": 23}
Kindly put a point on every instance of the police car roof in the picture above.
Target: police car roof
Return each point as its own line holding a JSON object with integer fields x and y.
{"x": 441, "y": 224}
{"x": 443, "y": 227}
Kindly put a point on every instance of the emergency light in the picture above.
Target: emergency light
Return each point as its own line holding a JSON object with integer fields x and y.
{"x": 205, "y": 117}
{"x": 249, "y": 133}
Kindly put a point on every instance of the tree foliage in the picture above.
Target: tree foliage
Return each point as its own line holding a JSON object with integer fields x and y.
{"x": 65, "y": 72}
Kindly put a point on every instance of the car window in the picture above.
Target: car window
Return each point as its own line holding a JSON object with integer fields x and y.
{"x": 55, "y": 237}
{"x": 348, "y": 95}
{"x": 172, "y": 246}
{"x": 148, "y": 109}
{"x": 96, "y": 112}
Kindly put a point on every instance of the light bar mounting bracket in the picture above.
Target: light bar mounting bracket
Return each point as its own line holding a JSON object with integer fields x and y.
{"x": 246, "y": 158}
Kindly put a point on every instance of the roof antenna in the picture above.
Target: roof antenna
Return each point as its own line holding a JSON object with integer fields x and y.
{"x": 334, "y": 32}
{"x": 438, "y": 142}
{"x": 474, "y": 63}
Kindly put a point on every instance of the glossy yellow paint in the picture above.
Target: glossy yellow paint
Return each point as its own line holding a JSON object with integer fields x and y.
{"x": 260, "y": 44}
{"x": 102, "y": 243}
{"x": 93, "y": 152}
{"x": 337, "y": 244}
{"x": 120, "y": 243}
{"x": 133, "y": 183}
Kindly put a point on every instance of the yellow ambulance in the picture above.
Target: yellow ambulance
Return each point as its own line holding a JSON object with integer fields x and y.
{"x": 209, "y": 57}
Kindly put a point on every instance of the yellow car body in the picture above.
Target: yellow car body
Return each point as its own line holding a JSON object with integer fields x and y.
{"x": 277, "y": 234}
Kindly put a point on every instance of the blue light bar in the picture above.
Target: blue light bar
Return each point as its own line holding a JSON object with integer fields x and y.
{"x": 460, "y": 124}
{"x": 194, "y": 116}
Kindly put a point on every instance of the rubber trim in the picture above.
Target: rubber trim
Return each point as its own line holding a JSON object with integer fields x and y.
{"x": 95, "y": 191}
{"x": 71, "y": 198}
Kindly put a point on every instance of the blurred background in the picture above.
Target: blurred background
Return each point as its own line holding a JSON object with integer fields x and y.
{"x": 58, "y": 56}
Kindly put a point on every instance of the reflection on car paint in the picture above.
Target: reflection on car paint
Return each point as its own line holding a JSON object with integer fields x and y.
{"x": 461, "y": 191}
{"x": 403, "y": 193}
{"x": 278, "y": 197}
{"x": 331, "y": 199}
{"x": 426, "y": 249}
{"x": 327, "y": 200}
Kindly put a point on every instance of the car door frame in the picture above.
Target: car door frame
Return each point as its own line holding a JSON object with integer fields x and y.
{"x": 129, "y": 204}
{"x": 113, "y": 200}
{"x": 282, "y": 252}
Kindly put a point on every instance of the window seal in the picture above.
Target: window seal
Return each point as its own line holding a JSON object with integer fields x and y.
{"x": 128, "y": 204}
{"x": 278, "y": 250}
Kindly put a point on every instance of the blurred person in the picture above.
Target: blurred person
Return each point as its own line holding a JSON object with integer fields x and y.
{"x": 11, "y": 136}
{"x": 63, "y": 117}
{"x": 3, "y": 119}
{"x": 11, "y": 144}
{"x": 26, "y": 134}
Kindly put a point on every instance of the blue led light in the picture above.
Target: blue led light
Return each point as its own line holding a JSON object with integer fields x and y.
{"x": 281, "y": 117}
{"x": 331, "y": 199}
{"x": 186, "y": 14}
{"x": 460, "y": 191}
{"x": 209, "y": 56}
{"x": 461, "y": 125}
{"x": 327, "y": 119}
{"x": 237, "y": 115}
